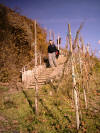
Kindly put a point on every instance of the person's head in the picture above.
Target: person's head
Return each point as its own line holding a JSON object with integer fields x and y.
{"x": 50, "y": 42}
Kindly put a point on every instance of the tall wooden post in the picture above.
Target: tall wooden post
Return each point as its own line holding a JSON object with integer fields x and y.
{"x": 79, "y": 53}
{"x": 50, "y": 35}
{"x": 53, "y": 35}
{"x": 84, "y": 89}
{"x": 36, "y": 72}
{"x": 35, "y": 45}
{"x": 58, "y": 42}
{"x": 74, "y": 80}
{"x": 40, "y": 59}
{"x": 67, "y": 42}
{"x": 80, "y": 63}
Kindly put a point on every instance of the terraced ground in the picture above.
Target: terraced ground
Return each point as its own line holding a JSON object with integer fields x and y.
{"x": 48, "y": 74}
{"x": 56, "y": 113}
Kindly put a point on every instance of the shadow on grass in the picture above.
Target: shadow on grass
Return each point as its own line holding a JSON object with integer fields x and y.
{"x": 29, "y": 101}
{"x": 50, "y": 114}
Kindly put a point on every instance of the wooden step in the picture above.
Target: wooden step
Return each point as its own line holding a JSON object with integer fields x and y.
{"x": 41, "y": 83}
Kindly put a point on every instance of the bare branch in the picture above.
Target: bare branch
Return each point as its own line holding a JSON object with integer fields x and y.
{"x": 77, "y": 34}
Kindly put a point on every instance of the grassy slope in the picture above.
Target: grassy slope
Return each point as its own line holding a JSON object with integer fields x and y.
{"x": 56, "y": 113}
{"x": 56, "y": 110}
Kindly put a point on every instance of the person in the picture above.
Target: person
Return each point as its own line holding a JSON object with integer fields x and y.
{"x": 52, "y": 53}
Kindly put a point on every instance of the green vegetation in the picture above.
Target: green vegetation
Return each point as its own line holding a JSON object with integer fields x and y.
{"x": 56, "y": 112}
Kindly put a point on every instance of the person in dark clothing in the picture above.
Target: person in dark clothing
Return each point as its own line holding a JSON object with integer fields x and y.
{"x": 52, "y": 54}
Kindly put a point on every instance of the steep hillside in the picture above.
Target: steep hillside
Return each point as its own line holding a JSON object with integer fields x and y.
{"x": 16, "y": 39}
{"x": 56, "y": 111}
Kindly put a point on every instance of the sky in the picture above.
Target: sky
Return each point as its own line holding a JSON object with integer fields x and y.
{"x": 56, "y": 14}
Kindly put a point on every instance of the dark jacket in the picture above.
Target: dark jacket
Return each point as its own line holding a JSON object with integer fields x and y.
{"x": 52, "y": 48}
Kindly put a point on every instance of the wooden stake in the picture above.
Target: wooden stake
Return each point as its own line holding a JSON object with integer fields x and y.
{"x": 35, "y": 45}
{"x": 35, "y": 74}
{"x": 40, "y": 60}
{"x": 50, "y": 35}
{"x": 84, "y": 90}
{"x": 80, "y": 63}
{"x": 74, "y": 80}
{"x": 67, "y": 42}
{"x": 53, "y": 35}
{"x": 58, "y": 42}
{"x": 85, "y": 98}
